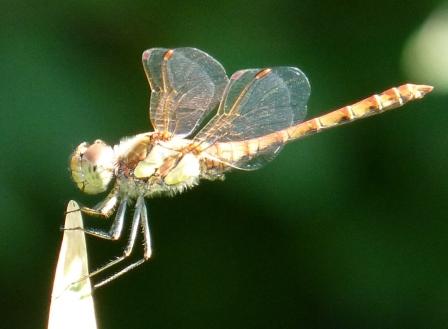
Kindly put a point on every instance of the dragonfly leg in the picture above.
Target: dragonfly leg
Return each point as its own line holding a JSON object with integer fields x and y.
{"x": 146, "y": 255}
{"x": 140, "y": 204}
{"x": 115, "y": 230}
{"x": 103, "y": 209}
{"x": 118, "y": 274}
{"x": 146, "y": 233}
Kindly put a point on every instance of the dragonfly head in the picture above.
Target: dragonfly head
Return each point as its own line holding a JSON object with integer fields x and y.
{"x": 92, "y": 166}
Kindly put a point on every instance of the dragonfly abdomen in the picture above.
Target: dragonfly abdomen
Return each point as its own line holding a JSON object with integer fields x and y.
{"x": 390, "y": 99}
{"x": 233, "y": 152}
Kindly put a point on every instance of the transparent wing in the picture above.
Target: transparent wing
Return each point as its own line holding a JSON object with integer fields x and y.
{"x": 256, "y": 103}
{"x": 186, "y": 84}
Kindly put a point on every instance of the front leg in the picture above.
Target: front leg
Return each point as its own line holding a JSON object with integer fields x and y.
{"x": 115, "y": 230}
{"x": 105, "y": 208}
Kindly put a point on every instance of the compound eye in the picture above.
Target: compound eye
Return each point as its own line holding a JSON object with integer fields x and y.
{"x": 92, "y": 166}
{"x": 99, "y": 155}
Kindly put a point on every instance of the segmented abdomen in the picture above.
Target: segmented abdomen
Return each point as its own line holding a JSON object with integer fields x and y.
{"x": 232, "y": 152}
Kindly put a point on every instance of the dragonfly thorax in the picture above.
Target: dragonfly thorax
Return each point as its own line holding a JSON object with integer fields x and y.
{"x": 165, "y": 168}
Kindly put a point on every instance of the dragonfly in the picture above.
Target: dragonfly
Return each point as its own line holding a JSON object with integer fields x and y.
{"x": 251, "y": 116}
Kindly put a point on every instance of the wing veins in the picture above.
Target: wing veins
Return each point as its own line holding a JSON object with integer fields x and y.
{"x": 243, "y": 93}
{"x": 187, "y": 84}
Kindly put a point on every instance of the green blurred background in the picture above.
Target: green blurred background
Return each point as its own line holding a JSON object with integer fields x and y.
{"x": 346, "y": 229}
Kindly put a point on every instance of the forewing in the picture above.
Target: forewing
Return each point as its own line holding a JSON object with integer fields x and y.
{"x": 186, "y": 84}
{"x": 256, "y": 103}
